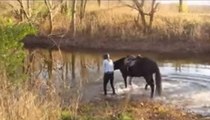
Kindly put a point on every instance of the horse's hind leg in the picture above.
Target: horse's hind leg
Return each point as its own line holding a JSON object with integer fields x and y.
{"x": 152, "y": 87}
{"x": 130, "y": 80}
{"x": 125, "y": 80}
{"x": 147, "y": 83}
{"x": 150, "y": 82}
{"x": 146, "y": 86}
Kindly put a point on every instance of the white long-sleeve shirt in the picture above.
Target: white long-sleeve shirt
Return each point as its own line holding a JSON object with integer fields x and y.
{"x": 108, "y": 66}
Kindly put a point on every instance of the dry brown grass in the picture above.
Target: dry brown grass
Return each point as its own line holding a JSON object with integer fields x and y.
{"x": 134, "y": 110}
{"x": 108, "y": 25}
{"x": 19, "y": 103}
{"x": 113, "y": 21}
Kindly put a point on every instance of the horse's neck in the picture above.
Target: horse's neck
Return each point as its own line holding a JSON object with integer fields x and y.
{"x": 118, "y": 63}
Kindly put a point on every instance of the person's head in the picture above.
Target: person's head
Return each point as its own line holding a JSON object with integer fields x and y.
{"x": 106, "y": 56}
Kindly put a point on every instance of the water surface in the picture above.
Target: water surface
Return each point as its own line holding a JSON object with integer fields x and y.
{"x": 185, "y": 79}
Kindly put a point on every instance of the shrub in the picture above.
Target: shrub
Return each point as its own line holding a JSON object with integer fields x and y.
{"x": 11, "y": 48}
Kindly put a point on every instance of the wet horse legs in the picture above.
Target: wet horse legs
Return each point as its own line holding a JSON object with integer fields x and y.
{"x": 125, "y": 80}
{"x": 130, "y": 83}
{"x": 150, "y": 82}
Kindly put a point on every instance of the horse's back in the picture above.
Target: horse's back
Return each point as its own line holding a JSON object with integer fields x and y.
{"x": 136, "y": 66}
{"x": 145, "y": 65}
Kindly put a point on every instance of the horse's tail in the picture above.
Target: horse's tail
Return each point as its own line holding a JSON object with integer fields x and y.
{"x": 158, "y": 82}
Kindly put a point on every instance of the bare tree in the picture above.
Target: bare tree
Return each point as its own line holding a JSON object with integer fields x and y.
{"x": 52, "y": 11}
{"x": 29, "y": 7}
{"x": 24, "y": 11}
{"x": 64, "y": 6}
{"x": 83, "y": 4}
{"x": 49, "y": 7}
{"x": 139, "y": 6}
{"x": 152, "y": 13}
{"x": 82, "y": 9}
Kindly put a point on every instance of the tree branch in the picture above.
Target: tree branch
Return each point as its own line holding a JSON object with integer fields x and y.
{"x": 23, "y": 9}
{"x": 130, "y": 6}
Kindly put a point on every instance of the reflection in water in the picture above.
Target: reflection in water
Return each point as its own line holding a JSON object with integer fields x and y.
{"x": 84, "y": 70}
{"x": 178, "y": 66}
{"x": 73, "y": 57}
{"x": 185, "y": 82}
{"x": 49, "y": 62}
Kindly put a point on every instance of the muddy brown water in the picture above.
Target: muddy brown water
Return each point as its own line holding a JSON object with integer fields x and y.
{"x": 185, "y": 79}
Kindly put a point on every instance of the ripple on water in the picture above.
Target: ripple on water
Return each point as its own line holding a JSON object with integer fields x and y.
{"x": 188, "y": 88}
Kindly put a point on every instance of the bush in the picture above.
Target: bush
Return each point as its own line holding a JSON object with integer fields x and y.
{"x": 11, "y": 48}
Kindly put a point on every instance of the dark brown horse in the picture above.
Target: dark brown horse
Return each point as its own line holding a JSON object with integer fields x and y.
{"x": 137, "y": 66}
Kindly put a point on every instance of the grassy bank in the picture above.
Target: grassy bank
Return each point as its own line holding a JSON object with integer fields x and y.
{"x": 118, "y": 24}
{"x": 110, "y": 30}
{"x": 115, "y": 21}
{"x": 24, "y": 104}
{"x": 115, "y": 28}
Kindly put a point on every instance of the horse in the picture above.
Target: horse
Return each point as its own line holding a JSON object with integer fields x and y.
{"x": 138, "y": 66}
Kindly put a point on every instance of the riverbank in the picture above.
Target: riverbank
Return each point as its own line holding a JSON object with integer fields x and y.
{"x": 163, "y": 47}
{"x": 111, "y": 108}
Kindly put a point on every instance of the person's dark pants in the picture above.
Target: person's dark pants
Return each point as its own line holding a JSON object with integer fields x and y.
{"x": 108, "y": 76}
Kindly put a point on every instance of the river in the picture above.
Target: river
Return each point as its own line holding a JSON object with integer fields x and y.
{"x": 185, "y": 79}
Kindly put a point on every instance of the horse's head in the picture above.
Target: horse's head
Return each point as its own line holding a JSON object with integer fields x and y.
{"x": 119, "y": 63}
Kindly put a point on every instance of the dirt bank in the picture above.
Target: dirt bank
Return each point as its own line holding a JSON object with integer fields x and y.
{"x": 164, "y": 47}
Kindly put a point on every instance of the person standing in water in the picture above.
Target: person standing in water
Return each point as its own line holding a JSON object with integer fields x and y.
{"x": 108, "y": 68}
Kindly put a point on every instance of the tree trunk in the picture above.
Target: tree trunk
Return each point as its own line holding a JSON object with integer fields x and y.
{"x": 51, "y": 22}
{"x": 139, "y": 6}
{"x": 29, "y": 7}
{"x": 152, "y": 13}
{"x": 23, "y": 12}
{"x": 50, "y": 64}
{"x": 180, "y": 5}
{"x": 73, "y": 65}
{"x": 64, "y": 7}
{"x": 49, "y": 16}
{"x": 82, "y": 8}
{"x": 73, "y": 18}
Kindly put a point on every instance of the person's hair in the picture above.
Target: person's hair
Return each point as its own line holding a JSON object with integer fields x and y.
{"x": 106, "y": 56}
